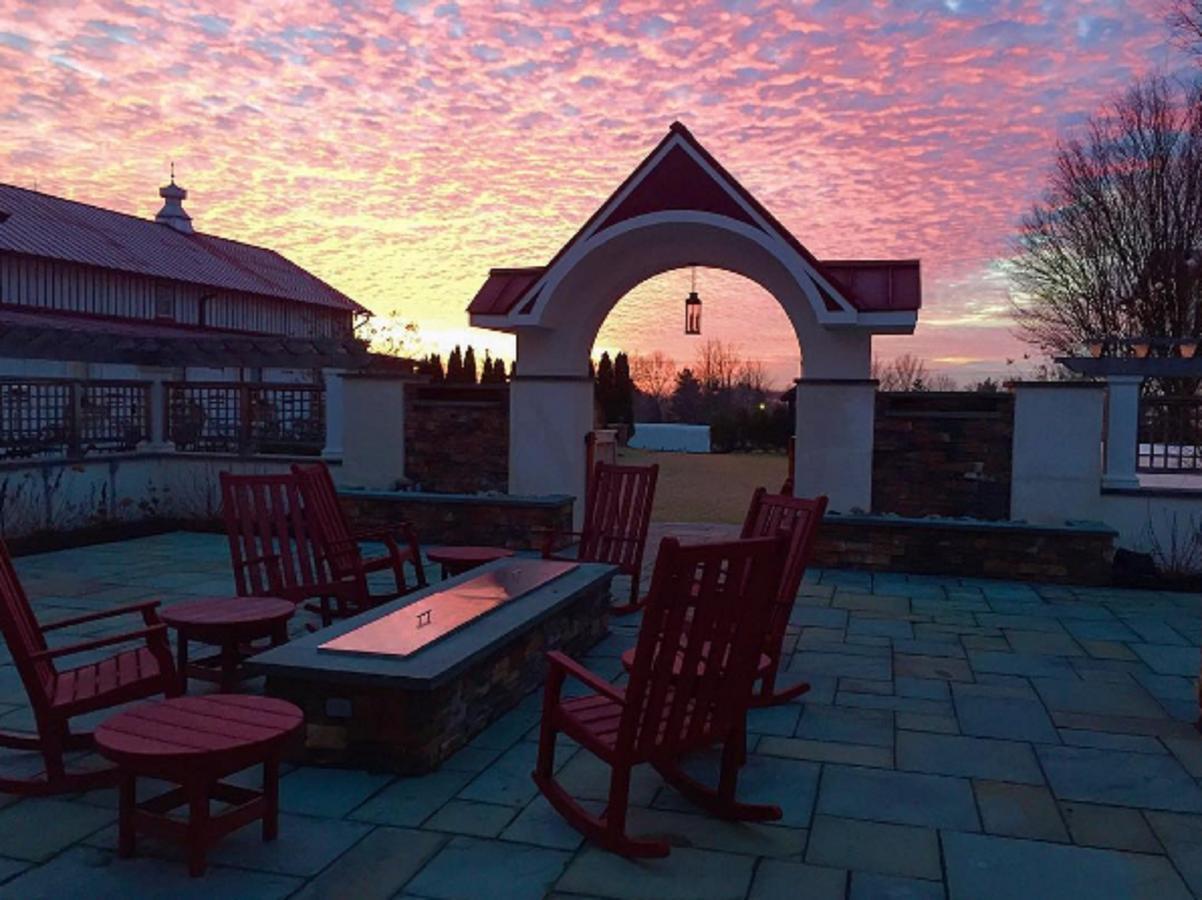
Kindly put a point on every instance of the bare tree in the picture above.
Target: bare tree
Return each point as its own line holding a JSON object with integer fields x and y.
{"x": 654, "y": 374}
{"x": 1109, "y": 250}
{"x": 753, "y": 376}
{"x": 717, "y": 365}
{"x": 1186, "y": 20}
{"x": 902, "y": 373}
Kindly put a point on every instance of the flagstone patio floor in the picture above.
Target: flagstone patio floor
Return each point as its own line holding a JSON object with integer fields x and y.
{"x": 963, "y": 739}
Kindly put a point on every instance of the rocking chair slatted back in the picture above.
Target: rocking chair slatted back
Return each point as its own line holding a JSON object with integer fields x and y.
{"x": 708, "y": 608}
{"x": 24, "y": 636}
{"x": 795, "y": 519}
{"x": 271, "y": 537}
{"x": 617, "y": 514}
{"x": 317, "y": 487}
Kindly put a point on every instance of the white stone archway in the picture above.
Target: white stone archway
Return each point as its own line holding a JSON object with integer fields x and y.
{"x": 681, "y": 208}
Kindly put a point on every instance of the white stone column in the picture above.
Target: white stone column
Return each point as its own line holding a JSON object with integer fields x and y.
{"x": 1056, "y": 463}
{"x": 373, "y": 455}
{"x": 1122, "y": 430}
{"x": 335, "y": 419}
{"x": 549, "y": 416}
{"x": 833, "y": 449}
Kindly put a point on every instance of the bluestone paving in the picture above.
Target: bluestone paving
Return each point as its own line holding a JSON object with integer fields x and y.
{"x": 972, "y": 679}
{"x": 779, "y": 880}
{"x": 1121, "y": 779}
{"x": 983, "y": 867}
{"x": 1181, "y": 835}
{"x": 100, "y": 875}
{"x": 467, "y": 869}
{"x": 852, "y": 726}
{"x": 1113, "y": 827}
{"x": 865, "y": 886}
{"x": 1019, "y": 810}
{"x": 377, "y": 867}
{"x": 1118, "y": 699}
{"x": 946, "y": 754}
{"x": 907, "y": 798}
{"x": 467, "y": 817}
{"x": 874, "y": 847}
{"x": 684, "y": 875}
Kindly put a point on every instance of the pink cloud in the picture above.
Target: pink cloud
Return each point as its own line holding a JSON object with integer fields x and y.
{"x": 400, "y": 150}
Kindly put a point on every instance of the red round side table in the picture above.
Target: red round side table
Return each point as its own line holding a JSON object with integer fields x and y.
{"x": 230, "y": 623}
{"x": 194, "y": 742}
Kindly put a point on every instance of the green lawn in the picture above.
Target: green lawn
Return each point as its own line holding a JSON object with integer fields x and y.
{"x": 708, "y": 487}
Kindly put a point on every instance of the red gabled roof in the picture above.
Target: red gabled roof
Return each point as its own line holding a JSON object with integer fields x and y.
{"x": 41, "y": 225}
{"x": 678, "y": 183}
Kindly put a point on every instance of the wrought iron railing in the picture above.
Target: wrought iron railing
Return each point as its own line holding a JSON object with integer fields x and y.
{"x": 1170, "y": 434}
{"x": 47, "y": 419}
{"x": 246, "y": 418}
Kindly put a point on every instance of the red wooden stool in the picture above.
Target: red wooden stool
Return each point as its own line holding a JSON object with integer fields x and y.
{"x": 194, "y": 742}
{"x": 230, "y": 623}
{"x": 456, "y": 560}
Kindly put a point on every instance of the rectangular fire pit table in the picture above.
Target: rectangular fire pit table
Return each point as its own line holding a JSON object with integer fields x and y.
{"x": 375, "y": 695}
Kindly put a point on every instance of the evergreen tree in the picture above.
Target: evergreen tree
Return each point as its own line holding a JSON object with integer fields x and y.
{"x": 498, "y": 375}
{"x": 605, "y": 386}
{"x": 486, "y": 369}
{"x": 469, "y": 366}
{"x": 435, "y": 368}
{"x": 513, "y": 370}
{"x": 623, "y": 399}
{"x": 455, "y": 366}
{"x": 686, "y": 399}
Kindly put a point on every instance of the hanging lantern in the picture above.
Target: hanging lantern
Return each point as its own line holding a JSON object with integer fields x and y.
{"x": 692, "y": 309}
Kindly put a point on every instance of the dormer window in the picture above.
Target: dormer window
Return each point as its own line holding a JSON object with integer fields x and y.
{"x": 164, "y": 302}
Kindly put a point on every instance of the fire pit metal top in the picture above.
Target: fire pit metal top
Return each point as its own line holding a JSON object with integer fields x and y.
{"x": 407, "y": 630}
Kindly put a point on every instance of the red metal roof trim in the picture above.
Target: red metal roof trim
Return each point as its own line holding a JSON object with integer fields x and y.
{"x": 879, "y": 285}
{"x": 503, "y": 289}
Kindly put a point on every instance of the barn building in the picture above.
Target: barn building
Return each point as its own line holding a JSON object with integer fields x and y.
{"x": 118, "y": 333}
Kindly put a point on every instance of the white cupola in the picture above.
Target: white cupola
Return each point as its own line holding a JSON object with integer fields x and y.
{"x": 172, "y": 214}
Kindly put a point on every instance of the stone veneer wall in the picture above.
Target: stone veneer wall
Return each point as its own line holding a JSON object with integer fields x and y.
{"x": 943, "y": 454}
{"x": 376, "y": 726}
{"x": 498, "y": 521}
{"x": 1079, "y": 553}
{"x": 457, "y": 437}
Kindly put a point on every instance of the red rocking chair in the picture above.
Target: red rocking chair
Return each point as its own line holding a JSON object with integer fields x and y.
{"x": 59, "y": 695}
{"x": 273, "y": 550}
{"x": 340, "y": 544}
{"x": 617, "y": 514}
{"x": 796, "y": 521}
{"x": 709, "y": 603}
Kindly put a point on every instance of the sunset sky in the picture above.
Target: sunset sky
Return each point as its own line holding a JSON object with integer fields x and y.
{"x": 398, "y": 150}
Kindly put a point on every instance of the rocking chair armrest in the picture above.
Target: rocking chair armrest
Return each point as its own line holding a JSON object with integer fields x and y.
{"x": 584, "y": 676}
{"x": 142, "y": 607}
{"x": 84, "y": 646}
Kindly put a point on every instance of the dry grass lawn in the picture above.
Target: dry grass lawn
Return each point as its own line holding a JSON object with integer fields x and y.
{"x": 708, "y": 487}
